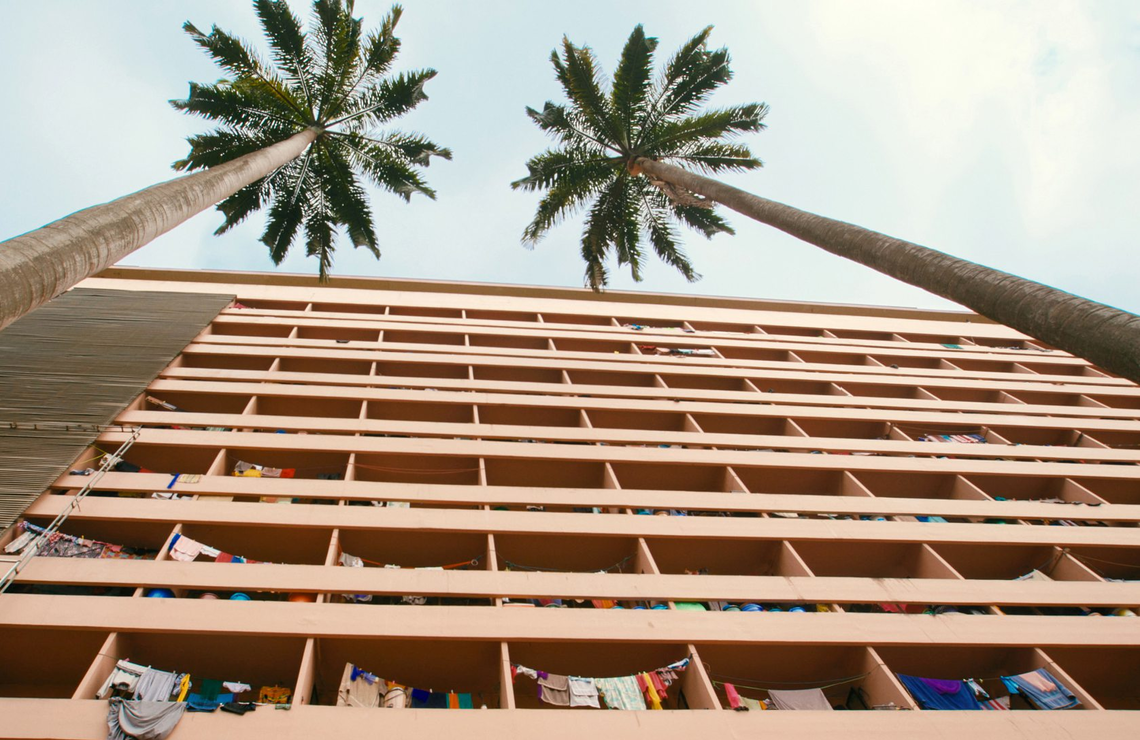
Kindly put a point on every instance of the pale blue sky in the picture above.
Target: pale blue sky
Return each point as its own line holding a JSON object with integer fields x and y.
{"x": 1002, "y": 132}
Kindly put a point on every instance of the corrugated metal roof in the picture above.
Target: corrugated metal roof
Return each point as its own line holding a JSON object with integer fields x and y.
{"x": 79, "y": 360}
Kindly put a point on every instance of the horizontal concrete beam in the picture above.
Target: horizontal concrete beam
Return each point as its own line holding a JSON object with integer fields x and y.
{"x": 226, "y": 485}
{"x": 548, "y": 523}
{"x": 733, "y": 367}
{"x": 628, "y": 436}
{"x": 466, "y": 623}
{"x": 62, "y": 719}
{"x": 548, "y": 390}
{"x": 1011, "y": 415}
{"x": 237, "y": 441}
{"x": 530, "y": 585}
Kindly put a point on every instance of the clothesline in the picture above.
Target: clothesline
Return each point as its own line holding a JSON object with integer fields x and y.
{"x": 644, "y": 690}
{"x": 451, "y": 566}
{"x": 187, "y": 550}
{"x": 23, "y": 541}
{"x": 678, "y": 665}
{"x": 785, "y": 684}
{"x": 358, "y": 672}
{"x": 516, "y": 566}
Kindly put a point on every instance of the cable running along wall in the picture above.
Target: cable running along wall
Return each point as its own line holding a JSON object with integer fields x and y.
{"x": 76, "y": 362}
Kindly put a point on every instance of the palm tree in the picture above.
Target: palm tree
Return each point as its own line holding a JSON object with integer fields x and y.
{"x": 638, "y": 154}
{"x": 296, "y": 134}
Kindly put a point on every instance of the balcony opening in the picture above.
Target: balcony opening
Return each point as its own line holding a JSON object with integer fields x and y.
{"x": 798, "y": 481}
{"x": 721, "y": 327}
{"x": 863, "y": 336}
{"x": 319, "y": 407}
{"x": 357, "y": 308}
{"x": 845, "y": 428}
{"x": 847, "y": 677}
{"x": 1002, "y": 562}
{"x": 648, "y": 420}
{"x": 983, "y": 664}
{"x": 569, "y": 318}
{"x": 527, "y": 416}
{"x": 420, "y": 469}
{"x": 392, "y": 336}
{"x": 969, "y": 395}
{"x": 482, "y": 315}
{"x": 792, "y": 331}
{"x": 46, "y": 663}
{"x": 601, "y": 377}
{"x": 761, "y": 354}
{"x": 600, "y": 660}
{"x": 209, "y": 361}
{"x": 426, "y": 311}
{"x": 453, "y": 413}
{"x": 518, "y": 374}
{"x": 539, "y": 473}
{"x": 875, "y": 390}
{"x": 706, "y": 383}
{"x": 1110, "y": 675}
{"x": 255, "y": 660}
{"x": 665, "y": 477}
{"x": 872, "y": 560}
{"x": 249, "y": 329}
{"x": 508, "y": 341}
{"x": 420, "y": 370}
{"x": 148, "y": 458}
{"x": 919, "y": 485}
{"x": 1113, "y": 490}
{"x": 1031, "y": 488}
{"x": 746, "y": 425}
{"x": 909, "y": 361}
{"x": 324, "y": 365}
{"x": 469, "y": 669}
{"x": 800, "y": 387}
{"x": 197, "y": 403}
{"x": 566, "y": 553}
{"x": 278, "y": 463}
{"x": 1110, "y": 563}
{"x": 566, "y": 344}
{"x": 832, "y": 358}
{"x": 725, "y": 557}
{"x": 338, "y": 334}
{"x": 267, "y": 544}
{"x": 141, "y": 540}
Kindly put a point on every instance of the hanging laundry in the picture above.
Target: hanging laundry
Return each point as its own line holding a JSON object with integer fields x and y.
{"x": 583, "y": 693}
{"x": 352, "y": 561}
{"x": 123, "y": 678}
{"x": 801, "y": 699}
{"x": 274, "y": 695}
{"x": 184, "y": 549}
{"x": 733, "y": 697}
{"x": 932, "y": 693}
{"x": 156, "y": 685}
{"x": 396, "y": 698}
{"x": 150, "y": 720}
{"x": 554, "y": 689}
{"x": 359, "y": 688}
{"x": 621, "y": 692}
{"x": 1041, "y": 688}
{"x": 1000, "y": 703}
{"x": 20, "y": 543}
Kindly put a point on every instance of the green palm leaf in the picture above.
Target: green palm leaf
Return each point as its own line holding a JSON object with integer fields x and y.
{"x": 599, "y": 138}
{"x": 330, "y": 79}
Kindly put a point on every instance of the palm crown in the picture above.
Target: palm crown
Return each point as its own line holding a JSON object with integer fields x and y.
{"x": 602, "y": 133}
{"x": 332, "y": 80}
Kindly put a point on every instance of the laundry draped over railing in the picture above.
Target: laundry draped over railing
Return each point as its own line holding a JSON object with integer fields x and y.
{"x": 639, "y": 691}
{"x": 360, "y": 688}
{"x": 186, "y": 550}
{"x": 60, "y": 545}
{"x": 1040, "y": 688}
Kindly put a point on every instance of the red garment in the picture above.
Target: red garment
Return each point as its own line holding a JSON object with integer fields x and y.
{"x": 658, "y": 684}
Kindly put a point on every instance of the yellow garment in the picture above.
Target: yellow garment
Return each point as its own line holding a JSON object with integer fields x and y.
{"x": 274, "y": 695}
{"x": 651, "y": 692}
{"x": 184, "y": 688}
{"x": 251, "y": 473}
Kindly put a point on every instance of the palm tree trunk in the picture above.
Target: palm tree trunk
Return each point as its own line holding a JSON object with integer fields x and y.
{"x": 1103, "y": 335}
{"x": 39, "y": 265}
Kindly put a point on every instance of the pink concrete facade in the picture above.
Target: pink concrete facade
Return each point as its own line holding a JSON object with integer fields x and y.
{"x": 789, "y": 496}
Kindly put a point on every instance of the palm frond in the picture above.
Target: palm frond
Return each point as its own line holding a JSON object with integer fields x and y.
{"x": 631, "y": 81}
{"x": 711, "y": 125}
{"x": 578, "y": 73}
{"x": 716, "y": 156}
{"x": 287, "y": 45}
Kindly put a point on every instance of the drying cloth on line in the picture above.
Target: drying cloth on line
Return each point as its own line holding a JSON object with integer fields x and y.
{"x": 124, "y": 678}
{"x": 142, "y": 720}
{"x": 811, "y": 699}
{"x": 583, "y": 693}
{"x": 156, "y": 685}
{"x": 621, "y": 692}
{"x": 928, "y": 698}
{"x": 554, "y": 689}
{"x": 1029, "y": 685}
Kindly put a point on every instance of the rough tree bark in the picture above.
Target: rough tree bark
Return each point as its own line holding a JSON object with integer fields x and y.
{"x": 39, "y": 265}
{"x": 1105, "y": 336}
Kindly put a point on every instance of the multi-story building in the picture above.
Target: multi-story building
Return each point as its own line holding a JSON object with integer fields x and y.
{"x": 454, "y": 488}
